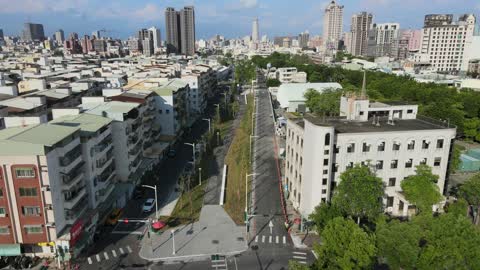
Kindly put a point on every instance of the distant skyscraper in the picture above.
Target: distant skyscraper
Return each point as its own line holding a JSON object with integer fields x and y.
{"x": 157, "y": 40}
{"x": 332, "y": 25}
{"x": 361, "y": 24}
{"x": 383, "y": 40}
{"x": 59, "y": 36}
{"x": 187, "y": 30}
{"x": 303, "y": 39}
{"x": 96, "y": 34}
{"x": 255, "y": 32}
{"x": 33, "y": 31}
{"x": 1, "y": 33}
{"x": 172, "y": 30}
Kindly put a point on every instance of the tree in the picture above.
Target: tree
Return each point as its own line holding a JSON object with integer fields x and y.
{"x": 294, "y": 265}
{"x": 359, "y": 193}
{"x": 470, "y": 191}
{"x": 324, "y": 103}
{"x": 470, "y": 128}
{"x": 450, "y": 242}
{"x": 421, "y": 189}
{"x": 322, "y": 214}
{"x": 456, "y": 162}
{"x": 345, "y": 246}
{"x": 273, "y": 83}
{"x": 459, "y": 208}
{"x": 398, "y": 243}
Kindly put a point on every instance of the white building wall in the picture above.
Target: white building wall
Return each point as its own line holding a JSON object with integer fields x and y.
{"x": 165, "y": 114}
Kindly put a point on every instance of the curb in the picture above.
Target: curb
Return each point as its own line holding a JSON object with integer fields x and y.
{"x": 192, "y": 257}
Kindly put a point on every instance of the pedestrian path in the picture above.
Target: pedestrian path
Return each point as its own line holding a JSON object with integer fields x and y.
{"x": 300, "y": 256}
{"x": 112, "y": 254}
{"x": 271, "y": 239}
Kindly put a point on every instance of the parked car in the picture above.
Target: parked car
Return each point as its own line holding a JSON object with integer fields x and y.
{"x": 148, "y": 205}
{"x": 114, "y": 217}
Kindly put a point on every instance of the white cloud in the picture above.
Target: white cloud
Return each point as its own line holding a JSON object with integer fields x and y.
{"x": 248, "y": 3}
{"x": 149, "y": 12}
{"x": 243, "y": 4}
{"x": 39, "y": 6}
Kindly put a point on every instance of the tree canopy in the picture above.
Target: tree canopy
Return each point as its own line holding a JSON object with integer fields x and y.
{"x": 345, "y": 246}
{"x": 359, "y": 193}
{"x": 470, "y": 191}
{"x": 325, "y": 103}
{"x": 323, "y": 213}
{"x": 421, "y": 189}
{"x": 273, "y": 83}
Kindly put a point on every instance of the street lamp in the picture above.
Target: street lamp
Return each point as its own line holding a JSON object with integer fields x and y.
{"x": 209, "y": 124}
{"x": 156, "y": 201}
{"x": 200, "y": 175}
{"x": 193, "y": 151}
{"x": 173, "y": 240}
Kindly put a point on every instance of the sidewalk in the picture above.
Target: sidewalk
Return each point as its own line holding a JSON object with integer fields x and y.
{"x": 214, "y": 233}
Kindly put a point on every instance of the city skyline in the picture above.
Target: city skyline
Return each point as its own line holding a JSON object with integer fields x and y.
{"x": 229, "y": 18}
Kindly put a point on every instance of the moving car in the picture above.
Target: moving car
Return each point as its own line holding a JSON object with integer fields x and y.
{"x": 114, "y": 217}
{"x": 148, "y": 205}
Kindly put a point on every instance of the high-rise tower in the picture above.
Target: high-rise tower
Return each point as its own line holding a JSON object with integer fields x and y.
{"x": 332, "y": 25}
{"x": 255, "y": 32}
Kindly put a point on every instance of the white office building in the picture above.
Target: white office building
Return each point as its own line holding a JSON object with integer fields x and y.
{"x": 389, "y": 138}
{"x": 445, "y": 41}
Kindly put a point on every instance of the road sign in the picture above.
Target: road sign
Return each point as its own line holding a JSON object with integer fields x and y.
{"x": 270, "y": 224}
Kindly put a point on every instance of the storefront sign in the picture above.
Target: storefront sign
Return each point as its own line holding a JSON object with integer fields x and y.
{"x": 75, "y": 232}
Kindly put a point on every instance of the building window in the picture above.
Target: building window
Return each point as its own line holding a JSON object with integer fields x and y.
{"x": 437, "y": 161}
{"x": 327, "y": 139}
{"x": 411, "y": 145}
{"x": 401, "y": 205}
{"x": 394, "y": 164}
{"x": 301, "y": 143}
{"x": 33, "y": 229}
{"x": 425, "y": 144}
{"x": 409, "y": 163}
{"x": 299, "y": 197}
{"x": 28, "y": 192}
{"x": 351, "y": 148}
{"x": 324, "y": 181}
{"x": 379, "y": 165}
{"x": 349, "y": 165}
{"x": 439, "y": 143}
{"x": 396, "y": 146}
{"x": 391, "y": 181}
{"x": 1, "y": 193}
{"x": 324, "y": 191}
{"x": 366, "y": 147}
{"x": 381, "y": 147}
{"x": 389, "y": 201}
{"x": 410, "y": 111}
{"x": 301, "y": 161}
{"x": 160, "y": 111}
{"x": 167, "y": 111}
{"x": 336, "y": 149}
{"x": 325, "y": 162}
{"x": 2, "y": 212}
{"x": 423, "y": 161}
{"x": 31, "y": 210}
{"x": 326, "y": 152}
{"x": 325, "y": 171}
{"x": 28, "y": 172}
{"x": 4, "y": 230}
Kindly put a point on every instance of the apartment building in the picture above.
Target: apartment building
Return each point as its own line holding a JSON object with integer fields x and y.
{"x": 360, "y": 27}
{"x": 290, "y": 75}
{"x": 43, "y": 190}
{"x": 445, "y": 40}
{"x": 202, "y": 81}
{"x": 390, "y": 138}
{"x": 333, "y": 25}
{"x": 383, "y": 40}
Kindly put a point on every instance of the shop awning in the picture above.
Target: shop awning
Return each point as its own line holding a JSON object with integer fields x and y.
{"x": 10, "y": 250}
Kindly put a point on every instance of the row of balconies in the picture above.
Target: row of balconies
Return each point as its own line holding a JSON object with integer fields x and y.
{"x": 101, "y": 146}
{"x": 135, "y": 150}
{"x": 72, "y": 198}
{"x": 71, "y": 156}
{"x": 107, "y": 158}
{"x": 71, "y": 215}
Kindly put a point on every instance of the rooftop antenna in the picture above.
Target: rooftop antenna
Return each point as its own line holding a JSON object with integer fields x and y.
{"x": 363, "y": 94}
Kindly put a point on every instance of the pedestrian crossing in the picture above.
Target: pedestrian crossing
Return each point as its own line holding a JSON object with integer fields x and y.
{"x": 300, "y": 256}
{"x": 106, "y": 255}
{"x": 271, "y": 239}
{"x": 219, "y": 263}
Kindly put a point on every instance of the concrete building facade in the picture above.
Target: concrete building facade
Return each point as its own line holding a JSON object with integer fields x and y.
{"x": 332, "y": 25}
{"x": 360, "y": 27}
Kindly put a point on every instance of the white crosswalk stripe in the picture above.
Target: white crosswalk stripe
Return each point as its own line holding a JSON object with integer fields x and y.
{"x": 106, "y": 255}
{"x": 284, "y": 240}
{"x": 114, "y": 253}
{"x": 256, "y": 239}
{"x": 277, "y": 239}
{"x": 98, "y": 258}
{"x": 263, "y": 238}
{"x": 89, "y": 260}
{"x": 129, "y": 249}
{"x": 270, "y": 239}
{"x": 300, "y": 257}
{"x": 121, "y": 250}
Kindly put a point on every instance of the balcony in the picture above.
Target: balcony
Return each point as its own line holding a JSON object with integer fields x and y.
{"x": 74, "y": 175}
{"x": 104, "y": 193}
{"x": 106, "y": 159}
{"x": 71, "y": 215}
{"x": 135, "y": 150}
{"x": 71, "y": 156}
{"x": 132, "y": 140}
{"x": 107, "y": 174}
{"x": 74, "y": 197}
{"x": 134, "y": 164}
{"x": 104, "y": 144}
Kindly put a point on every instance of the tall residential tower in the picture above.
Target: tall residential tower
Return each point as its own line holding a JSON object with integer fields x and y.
{"x": 255, "y": 32}
{"x": 180, "y": 30}
{"x": 332, "y": 25}
{"x": 361, "y": 25}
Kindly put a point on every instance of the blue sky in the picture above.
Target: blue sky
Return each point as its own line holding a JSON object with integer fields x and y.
{"x": 231, "y": 18}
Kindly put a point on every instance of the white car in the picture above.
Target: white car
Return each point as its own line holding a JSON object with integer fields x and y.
{"x": 148, "y": 205}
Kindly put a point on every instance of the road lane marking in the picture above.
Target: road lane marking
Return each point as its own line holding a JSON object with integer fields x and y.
{"x": 121, "y": 251}
{"x": 284, "y": 240}
{"x": 302, "y": 262}
{"x": 256, "y": 239}
{"x": 98, "y": 258}
{"x": 270, "y": 239}
{"x": 129, "y": 249}
{"x": 106, "y": 255}
{"x": 263, "y": 238}
{"x": 114, "y": 253}
{"x": 277, "y": 239}
{"x": 299, "y": 257}
{"x": 301, "y": 253}
{"x": 89, "y": 260}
